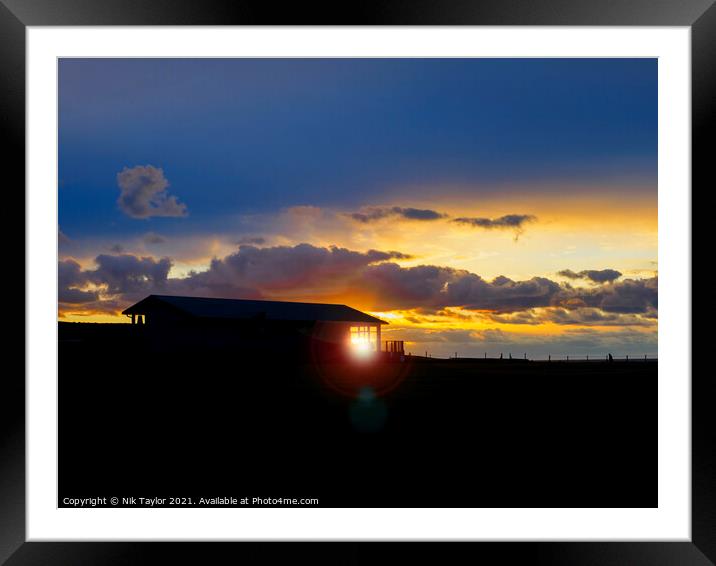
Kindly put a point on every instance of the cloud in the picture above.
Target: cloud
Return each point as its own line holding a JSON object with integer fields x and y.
{"x": 371, "y": 214}
{"x": 514, "y": 222}
{"x": 129, "y": 275}
{"x": 282, "y": 268}
{"x": 143, "y": 193}
{"x": 580, "y": 316}
{"x": 335, "y": 274}
{"x": 627, "y": 296}
{"x": 250, "y": 272}
{"x": 71, "y": 280}
{"x": 439, "y": 287}
{"x": 398, "y": 287}
{"x": 507, "y": 221}
{"x": 153, "y": 238}
{"x": 594, "y": 275}
{"x": 116, "y": 281}
{"x": 431, "y": 336}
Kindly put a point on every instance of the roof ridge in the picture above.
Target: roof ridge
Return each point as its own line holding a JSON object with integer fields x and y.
{"x": 251, "y": 300}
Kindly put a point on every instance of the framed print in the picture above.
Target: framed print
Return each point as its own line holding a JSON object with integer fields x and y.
{"x": 374, "y": 281}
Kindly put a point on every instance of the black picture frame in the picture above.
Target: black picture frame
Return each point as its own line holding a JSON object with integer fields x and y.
{"x": 16, "y": 15}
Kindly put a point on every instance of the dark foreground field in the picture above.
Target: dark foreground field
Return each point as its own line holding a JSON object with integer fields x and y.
{"x": 451, "y": 434}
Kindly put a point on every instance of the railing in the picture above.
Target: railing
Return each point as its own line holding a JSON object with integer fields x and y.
{"x": 394, "y": 346}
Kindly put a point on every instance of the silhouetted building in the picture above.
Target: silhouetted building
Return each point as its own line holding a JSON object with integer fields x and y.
{"x": 255, "y": 325}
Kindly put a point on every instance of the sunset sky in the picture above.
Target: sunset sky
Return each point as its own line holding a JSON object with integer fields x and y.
{"x": 477, "y": 205}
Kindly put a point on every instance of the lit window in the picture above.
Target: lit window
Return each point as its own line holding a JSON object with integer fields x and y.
{"x": 364, "y": 339}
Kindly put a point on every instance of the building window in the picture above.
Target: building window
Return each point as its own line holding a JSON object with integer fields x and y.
{"x": 364, "y": 338}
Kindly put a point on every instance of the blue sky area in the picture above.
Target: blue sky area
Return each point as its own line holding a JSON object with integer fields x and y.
{"x": 253, "y": 135}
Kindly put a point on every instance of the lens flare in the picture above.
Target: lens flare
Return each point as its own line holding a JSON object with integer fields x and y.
{"x": 356, "y": 363}
{"x": 368, "y": 413}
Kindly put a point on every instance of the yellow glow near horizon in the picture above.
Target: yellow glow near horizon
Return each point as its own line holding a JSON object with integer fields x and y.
{"x": 94, "y": 317}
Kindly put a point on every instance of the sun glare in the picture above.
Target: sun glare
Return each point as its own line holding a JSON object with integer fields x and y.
{"x": 363, "y": 341}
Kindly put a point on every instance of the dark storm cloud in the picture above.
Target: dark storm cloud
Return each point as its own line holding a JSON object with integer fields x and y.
{"x": 377, "y": 213}
{"x": 143, "y": 193}
{"x": 594, "y": 275}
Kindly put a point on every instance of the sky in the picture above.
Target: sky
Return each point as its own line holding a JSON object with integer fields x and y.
{"x": 477, "y": 205}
